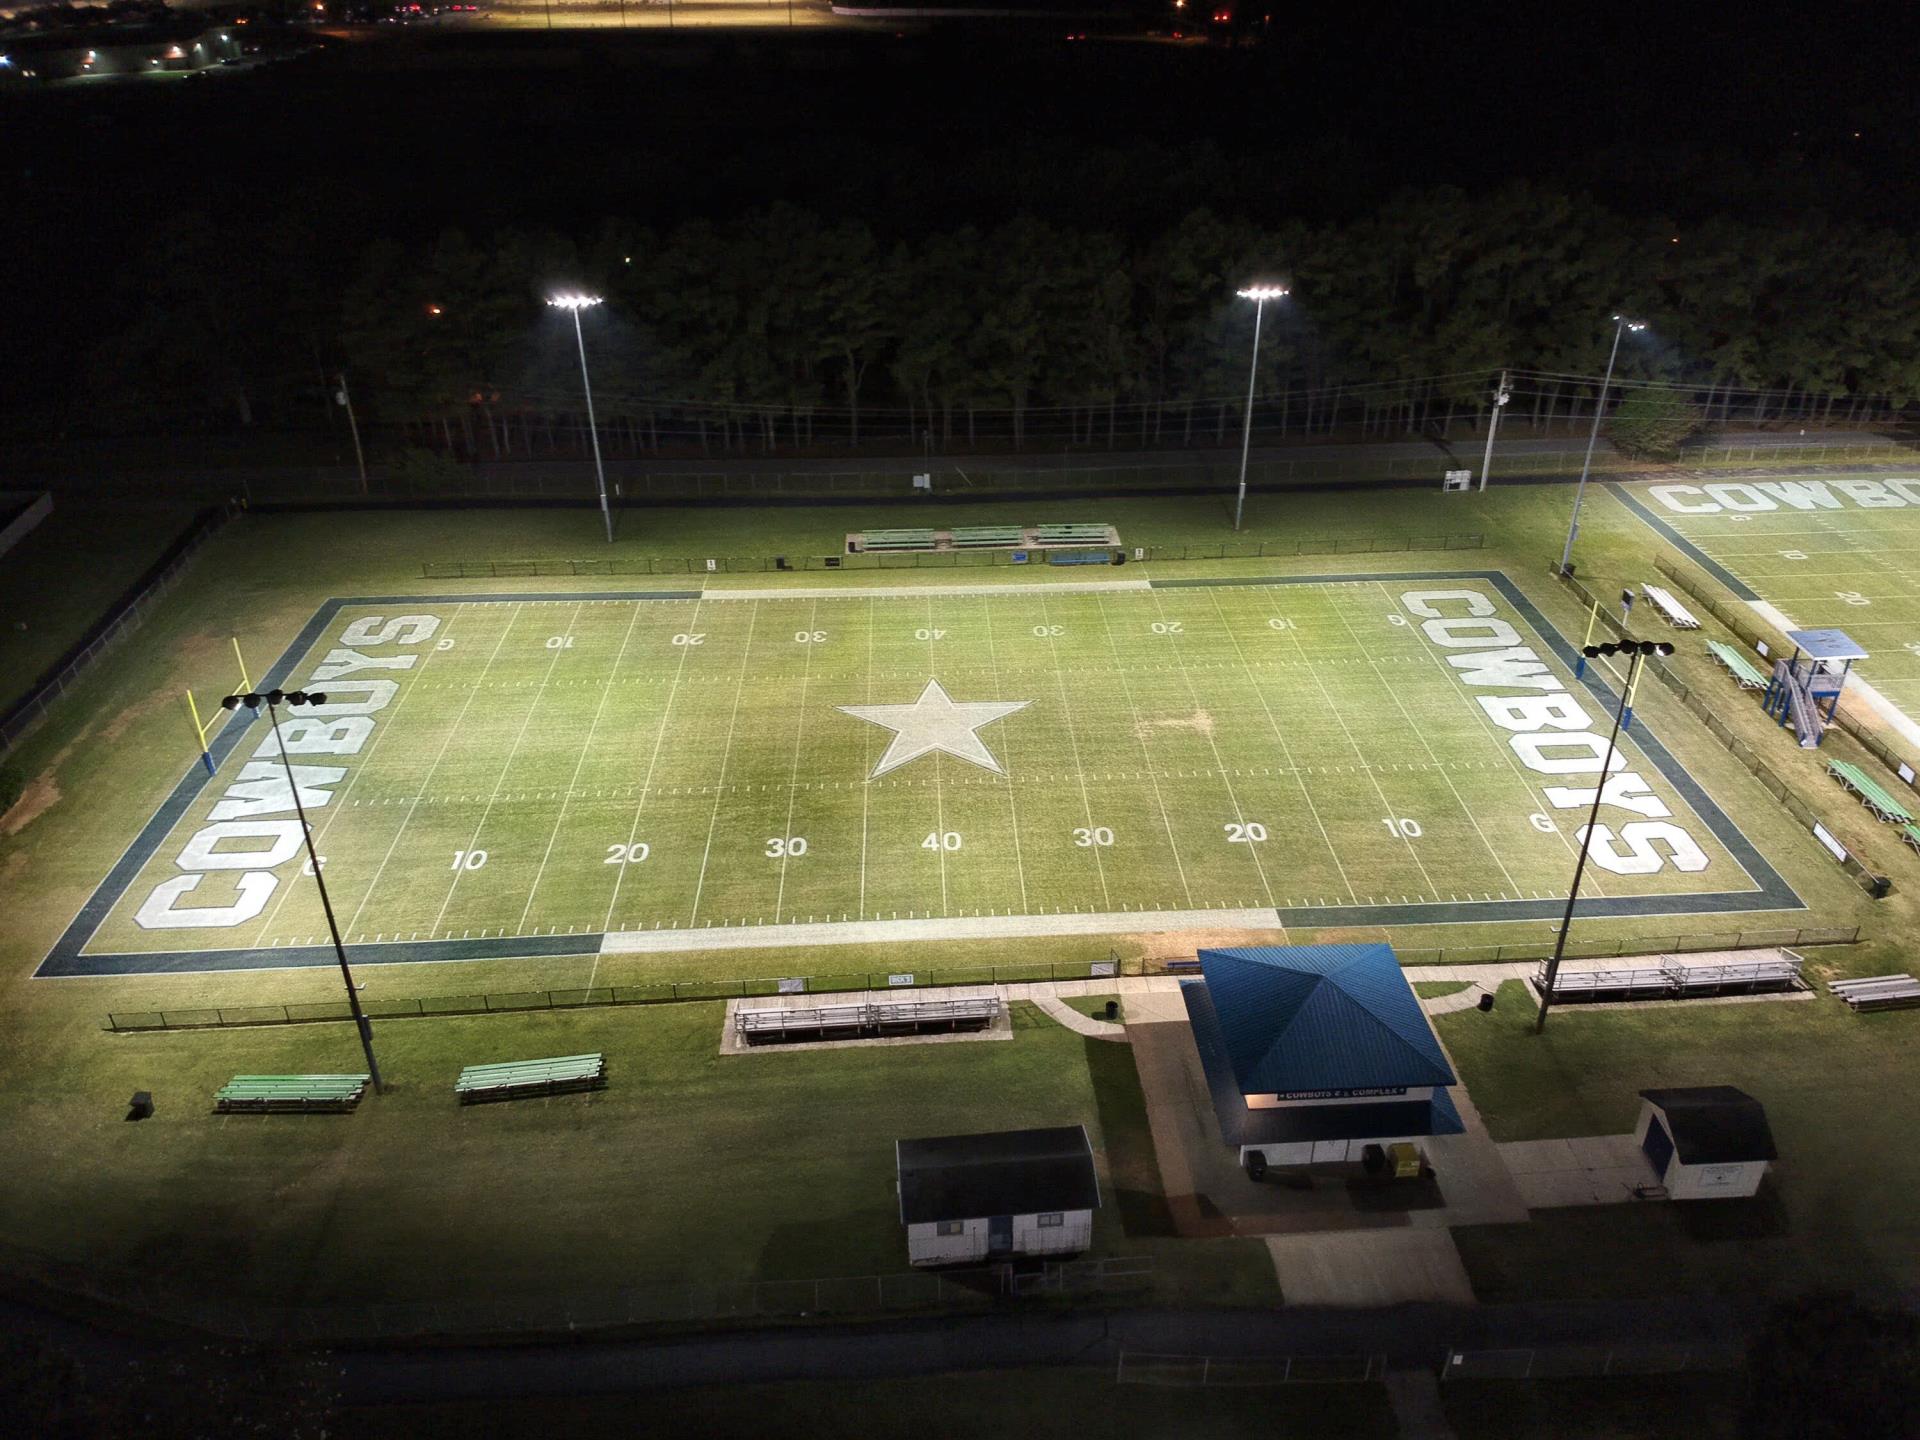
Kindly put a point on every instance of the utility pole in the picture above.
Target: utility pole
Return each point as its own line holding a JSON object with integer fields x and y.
{"x": 1259, "y": 294}
{"x": 1501, "y": 395}
{"x": 1620, "y": 326}
{"x": 359, "y": 457}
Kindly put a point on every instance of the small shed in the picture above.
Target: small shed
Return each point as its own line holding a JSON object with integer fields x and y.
{"x": 968, "y": 1198}
{"x": 1705, "y": 1142}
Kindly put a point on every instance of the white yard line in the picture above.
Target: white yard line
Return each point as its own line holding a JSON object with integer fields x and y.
{"x": 1400, "y": 705}
{"x": 646, "y": 783}
{"x": 953, "y": 927}
{"x": 881, "y": 592}
{"x": 939, "y": 799}
{"x": 726, "y": 754}
{"x": 513, "y": 751}
{"x": 339, "y": 801}
{"x": 866, "y": 769}
{"x": 1240, "y": 815}
{"x": 1073, "y": 748}
{"x": 606, "y": 693}
{"x": 441, "y": 754}
{"x": 1146, "y": 752}
{"x": 1006, "y": 747}
{"x": 1286, "y": 750}
{"x": 793, "y": 774}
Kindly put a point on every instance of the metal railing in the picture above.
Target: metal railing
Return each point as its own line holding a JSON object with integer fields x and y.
{"x": 1569, "y": 1360}
{"x": 1142, "y": 1367}
{"x": 133, "y": 608}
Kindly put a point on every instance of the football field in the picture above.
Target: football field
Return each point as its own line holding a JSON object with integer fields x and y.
{"x": 1823, "y": 551}
{"x": 556, "y": 774}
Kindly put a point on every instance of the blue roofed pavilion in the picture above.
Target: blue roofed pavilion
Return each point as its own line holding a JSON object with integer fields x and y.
{"x": 1314, "y": 1044}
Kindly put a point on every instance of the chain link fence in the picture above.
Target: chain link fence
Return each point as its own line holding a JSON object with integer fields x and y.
{"x": 941, "y": 559}
{"x": 1707, "y": 713}
{"x": 1141, "y": 1367}
{"x": 127, "y": 616}
{"x": 1022, "y": 1285}
{"x": 1112, "y": 966}
{"x": 1566, "y": 1361}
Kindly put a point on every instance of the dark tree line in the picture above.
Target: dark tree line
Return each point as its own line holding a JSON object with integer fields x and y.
{"x": 787, "y": 327}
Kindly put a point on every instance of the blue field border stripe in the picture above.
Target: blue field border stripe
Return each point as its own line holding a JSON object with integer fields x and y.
{"x": 66, "y": 957}
{"x": 67, "y": 960}
{"x": 1680, "y": 542}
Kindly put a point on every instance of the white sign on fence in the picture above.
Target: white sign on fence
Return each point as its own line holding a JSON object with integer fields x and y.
{"x": 900, "y": 979}
{"x": 797, "y": 986}
{"x": 1821, "y": 834}
{"x": 1906, "y": 773}
{"x": 1102, "y": 967}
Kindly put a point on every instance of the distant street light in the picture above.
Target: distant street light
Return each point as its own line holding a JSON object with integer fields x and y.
{"x": 1638, "y": 651}
{"x": 253, "y": 700}
{"x": 1620, "y": 325}
{"x": 1259, "y": 294}
{"x": 575, "y": 304}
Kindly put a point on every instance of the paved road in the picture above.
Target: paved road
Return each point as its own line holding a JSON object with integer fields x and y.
{"x": 1410, "y": 1335}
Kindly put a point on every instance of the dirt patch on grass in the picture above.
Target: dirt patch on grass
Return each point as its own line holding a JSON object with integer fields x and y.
{"x": 38, "y": 796}
{"x": 1200, "y": 722}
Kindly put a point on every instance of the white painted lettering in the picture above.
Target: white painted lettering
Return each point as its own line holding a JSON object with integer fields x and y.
{"x": 262, "y": 789}
{"x": 157, "y": 911}
{"x": 401, "y": 630}
{"x": 201, "y": 852}
{"x": 1635, "y": 854}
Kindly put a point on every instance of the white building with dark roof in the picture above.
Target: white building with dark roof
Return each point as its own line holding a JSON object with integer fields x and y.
{"x": 971, "y": 1198}
{"x": 1705, "y": 1142}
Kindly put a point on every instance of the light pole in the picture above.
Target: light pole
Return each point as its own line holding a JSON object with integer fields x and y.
{"x": 271, "y": 699}
{"x": 1259, "y": 294}
{"x": 575, "y": 304}
{"x": 1638, "y": 651}
{"x": 1620, "y": 325}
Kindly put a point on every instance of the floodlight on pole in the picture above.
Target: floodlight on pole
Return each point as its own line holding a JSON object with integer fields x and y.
{"x": 1620, "y": 326}
{"x": 272, "y": 699}
{"x": 1638, "y": 653}
{"x": 1260, "y": 295}
{"x": 575, "y": 303}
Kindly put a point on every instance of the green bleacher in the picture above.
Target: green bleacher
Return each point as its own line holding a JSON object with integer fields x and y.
{"x": 1750, "y": 675}
{"x": 1911, "y": 834}
{"x": 1072, "y": 535}
{"x": 516, "y": 1079}
{"x": 972, "y": 536}
{"x": 263, "y": 1094}
{"x": 897, "y": 540}
{"x": 1868, "y": 789}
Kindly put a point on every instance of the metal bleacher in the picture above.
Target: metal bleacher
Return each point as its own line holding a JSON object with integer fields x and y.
{"x": 898, "y": 540}
{"x": 1677, "y": 615}
{"x": 980, "y": 537}
{"x": 1878, "y": 992}
{"x": 282, "y": 1094}
{"x": 1072, "y": 535}
{"x": 780, "y": 1025}
{"x": 1673, "y": 980}
{"x": 1870, "y": 792}
{"x": 515, "y": 1079}
{"x": 1750, "y": 675}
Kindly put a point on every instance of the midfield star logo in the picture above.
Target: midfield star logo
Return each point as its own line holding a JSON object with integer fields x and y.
{"x": 936, "y": 722}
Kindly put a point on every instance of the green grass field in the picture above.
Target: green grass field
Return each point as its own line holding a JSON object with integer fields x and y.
{"x": 685, "y": 1168}
{"x": 543, "y": 767}
{"x": 1823, "y": 556}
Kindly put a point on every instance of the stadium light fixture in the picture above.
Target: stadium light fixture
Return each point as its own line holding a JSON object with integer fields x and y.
{"x": 1260, "y": 295}
{"x": 273, "y": 699}
{"x": 1638, "y": 652}
{"x": 574, "y": 303}
{"x": 1621, "y": 324}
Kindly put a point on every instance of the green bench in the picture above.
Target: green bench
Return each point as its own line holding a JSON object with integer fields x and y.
{"x": 1750, "y": 675}
{"x": 1868, "y": 789}
{"x": 1911, "y": 834}
{"x": 970, "y": 536}
{"x": 273, "y": 1094}
{"x": 517, "y": 1079}
{"x": 1072, "y": 535}
{"x": 897, "y": 540}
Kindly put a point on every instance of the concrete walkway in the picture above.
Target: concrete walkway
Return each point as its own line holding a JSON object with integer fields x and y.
{"x": 1362, "y": 1269}
{"x": 1081, "y": 1024}
{"x": 1414, "y": 1394}
{"x": 1588, "y": 1170}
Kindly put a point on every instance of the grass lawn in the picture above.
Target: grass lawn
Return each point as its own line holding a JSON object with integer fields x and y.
{"x": 1434, "y": 989}
{"x": 687, "y": 1168}
{"x": 1094, "y": 1005}
{"x": 1836, "y": 1209}
{"x": 1035, "y": 1403}
{"x": 1638, "y": 1407}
